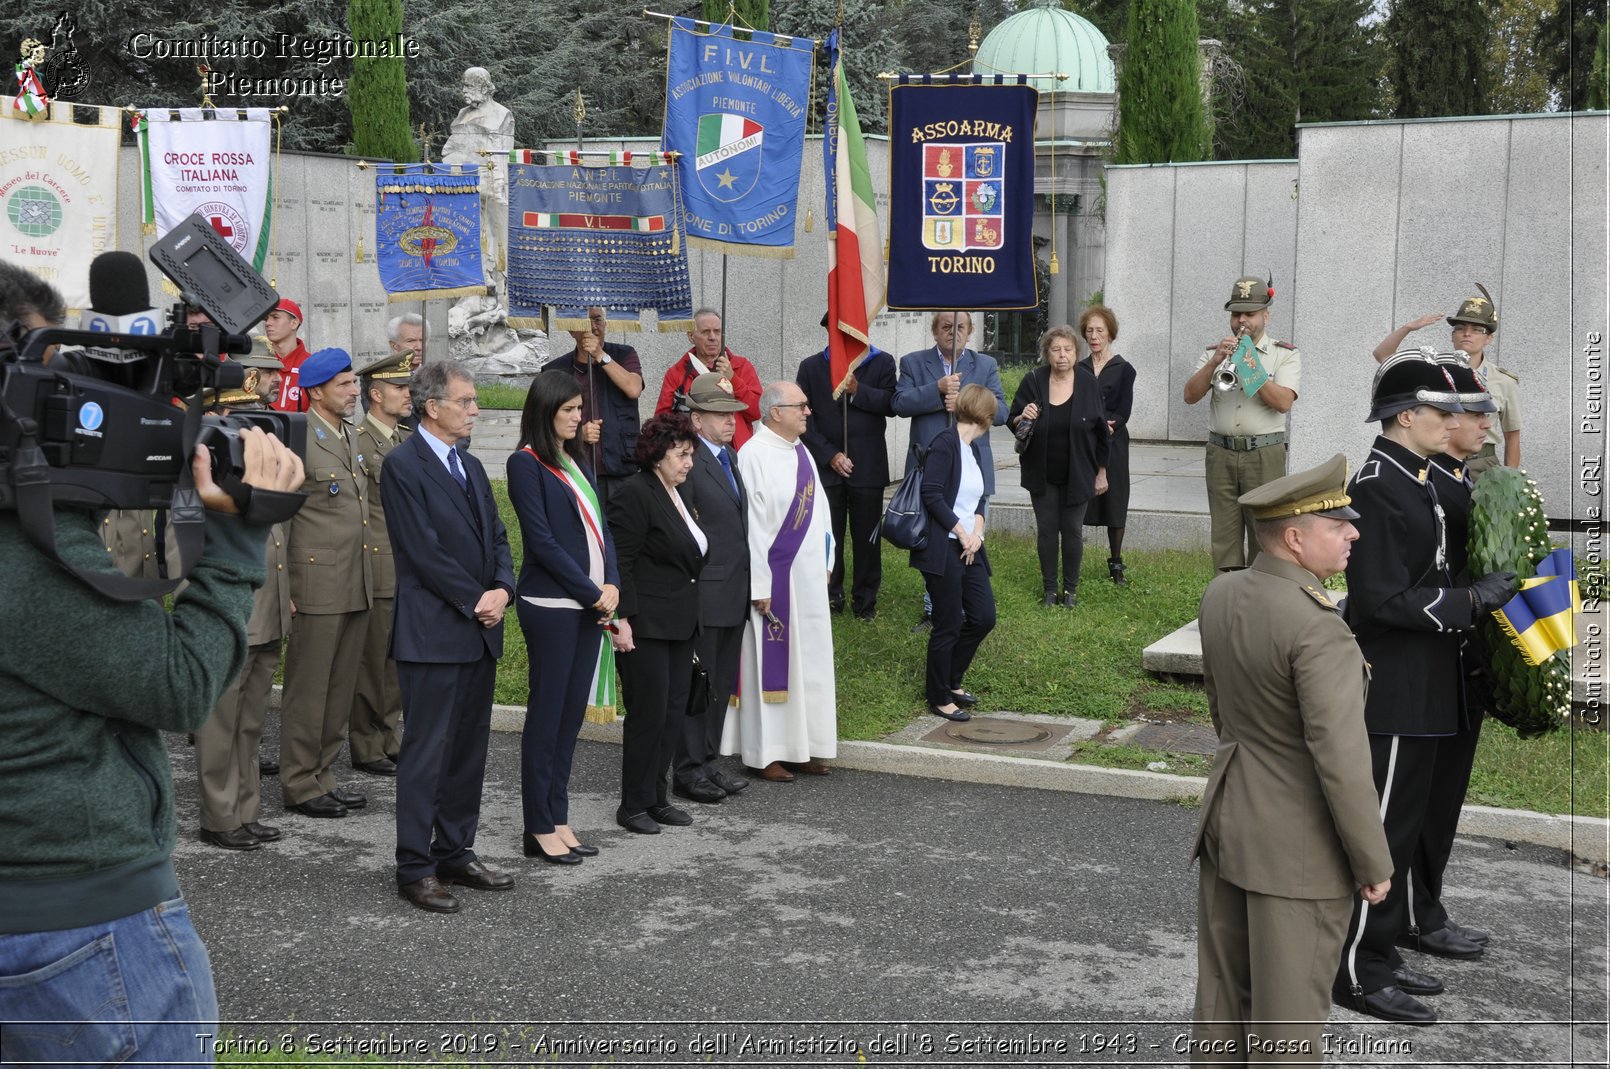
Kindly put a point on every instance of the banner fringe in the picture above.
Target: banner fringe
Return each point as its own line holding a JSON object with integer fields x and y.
{"x": 525, "y": 322}
{"x": 600, "y": 714}
{"x": 675, "y": 326}
{"x": 769, "y": 252}
{"x": 431, "y": 295}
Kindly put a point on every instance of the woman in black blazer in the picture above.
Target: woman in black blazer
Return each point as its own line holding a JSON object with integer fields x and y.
{"x": 567, "y": 591}
{"x": 661, "y": 552}
{"x": 1065, "y": 463}
{"x": 952, "y": 561}
{"x": 1116, "y": 377}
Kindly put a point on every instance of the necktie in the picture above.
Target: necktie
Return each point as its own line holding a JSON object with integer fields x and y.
{"x": 458, "y": 472}
{"x": 726, "y": 464}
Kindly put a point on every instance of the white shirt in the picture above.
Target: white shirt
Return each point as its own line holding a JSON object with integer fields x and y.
{"x": 441, "y": 449}
{"x": 971, "y": 489}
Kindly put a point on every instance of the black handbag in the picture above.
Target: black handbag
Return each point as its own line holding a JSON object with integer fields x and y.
{"x": 1024, "y": 434}
{"x": 698, "y": 690}
{"x": 905, "y": 521}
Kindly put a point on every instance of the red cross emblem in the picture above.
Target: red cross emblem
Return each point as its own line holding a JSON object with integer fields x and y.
{"x": 223, "y": 228}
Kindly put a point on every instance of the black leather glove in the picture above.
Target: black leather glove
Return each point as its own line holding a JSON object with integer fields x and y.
{"x": 1492, "y": 591}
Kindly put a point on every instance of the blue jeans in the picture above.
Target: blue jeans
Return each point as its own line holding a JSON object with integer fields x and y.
{"x": 142, "y": 984}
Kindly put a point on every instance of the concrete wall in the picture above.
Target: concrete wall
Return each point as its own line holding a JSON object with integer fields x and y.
{"x": 1397, "y": 220}
{"x": 1385, "y": 222}
{"x": 1177, "y": 238}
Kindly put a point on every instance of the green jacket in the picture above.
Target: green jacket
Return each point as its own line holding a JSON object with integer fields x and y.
{"x": 87, "y": 686}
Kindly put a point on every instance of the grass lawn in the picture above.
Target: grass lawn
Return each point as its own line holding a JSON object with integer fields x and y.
{"x": 490, "y": 395}
{"x": 1085, "y": 662}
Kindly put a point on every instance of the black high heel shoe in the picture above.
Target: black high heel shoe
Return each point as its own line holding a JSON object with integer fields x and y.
{"x": 533, "y": 848}
{"x": 583, "y": 850}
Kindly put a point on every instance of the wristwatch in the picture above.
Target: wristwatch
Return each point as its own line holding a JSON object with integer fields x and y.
{"x": 604, "y": 358}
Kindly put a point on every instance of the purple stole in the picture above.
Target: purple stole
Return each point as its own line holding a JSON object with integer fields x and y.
{"x": 780, "y": 557}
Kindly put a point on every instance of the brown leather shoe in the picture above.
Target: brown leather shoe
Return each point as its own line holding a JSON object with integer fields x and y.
{"x": 477, "y": 874}
{"x": 429, "y": 894}
{"x": 774, "y": 772}
{"x": 813, "y": 767}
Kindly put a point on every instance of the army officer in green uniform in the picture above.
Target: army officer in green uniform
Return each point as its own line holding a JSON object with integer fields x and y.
{"x": 1291, "y": 829}
{"x": 1246, "y": 434}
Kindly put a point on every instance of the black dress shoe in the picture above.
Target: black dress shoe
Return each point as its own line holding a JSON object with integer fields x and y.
{"x": 1442, "y": 943}
{"x": 924, "y": 622}
{"x": 866, "y": 614}
{"x": 962, "y": 697}
{"x": 239, "y": 839}
{"x": 1416, "y": 982}
{"x": 583, "y": 850}
{"x": 640, "y": 823}
{"x": 323, "y": 805}
{"x": 479, "y": 875}
{"x": 702, "y": 791}
{"x": 380, "y": 766}
{"x": 1475, "y": 935}
{"x": 265, "y": 833}
{"x": 268, "y": 768}
{"x": 835, "y": 605}
{"x": 669, "y": 814}
{"x": 728, "y": 782}
{"x": 533, "y": 848}
{"x": 958, "y": 714}
{"x": 350, "y": 799}
{"x": 1048, "y": 599}
{"x": 1391, "y": 1004}
{"x": 429, "y": 894}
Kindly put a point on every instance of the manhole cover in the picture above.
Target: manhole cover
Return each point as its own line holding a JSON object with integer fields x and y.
{"x": 998, "y": 732}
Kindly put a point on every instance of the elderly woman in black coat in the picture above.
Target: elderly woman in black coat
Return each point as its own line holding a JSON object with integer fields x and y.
{"x": 1058, "y": 408}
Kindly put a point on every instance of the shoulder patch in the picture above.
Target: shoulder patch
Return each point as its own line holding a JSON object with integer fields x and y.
{"x": 1285, "y": 345}
{"x": 1367, "y": 471}
{"x": 1511, "y": 374}
{"x": 1319, "y": 595}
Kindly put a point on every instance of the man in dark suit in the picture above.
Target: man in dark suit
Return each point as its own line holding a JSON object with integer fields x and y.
{"x": 454, "y": 578}
{"x": 929, "y": 382}
{"x": 714, "y": 491}
{"x": 846, "y": 437}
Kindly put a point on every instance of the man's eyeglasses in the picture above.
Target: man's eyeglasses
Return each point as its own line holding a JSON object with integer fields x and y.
{"x": 462, "y": 402}
{"x": 796, "y": 404}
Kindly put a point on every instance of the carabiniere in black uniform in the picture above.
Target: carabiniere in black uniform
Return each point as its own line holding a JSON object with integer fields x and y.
{"x": 1408, "y": 614}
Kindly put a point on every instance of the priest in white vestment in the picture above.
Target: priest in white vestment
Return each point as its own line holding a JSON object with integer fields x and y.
{"x": 787, "y": 718}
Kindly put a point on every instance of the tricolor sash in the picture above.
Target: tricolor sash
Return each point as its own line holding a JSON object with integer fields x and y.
{"x": 601, "y": 697}
{"x": 780, "y": 557}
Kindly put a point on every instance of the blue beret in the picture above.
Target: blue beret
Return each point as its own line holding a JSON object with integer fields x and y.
{"x": 323, "y": 366}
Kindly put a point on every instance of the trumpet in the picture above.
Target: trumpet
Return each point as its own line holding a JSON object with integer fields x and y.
{"x": 1227, "y": 377}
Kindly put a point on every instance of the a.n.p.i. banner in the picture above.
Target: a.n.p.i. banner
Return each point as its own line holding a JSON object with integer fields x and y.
{"x": 961, "y": 194}
{"x": 596, "y": 229}
{"x": 736, "y": 111}
{"x": 428, "y": 230}
{"x": 58, "y": 193}
{"x": 214, "y": 163}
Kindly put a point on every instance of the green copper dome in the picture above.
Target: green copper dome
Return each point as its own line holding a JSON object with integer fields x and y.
{"x": 1044, "y": 40}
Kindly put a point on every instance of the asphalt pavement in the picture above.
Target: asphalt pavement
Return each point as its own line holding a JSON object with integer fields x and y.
{"x": 856, "y": 917}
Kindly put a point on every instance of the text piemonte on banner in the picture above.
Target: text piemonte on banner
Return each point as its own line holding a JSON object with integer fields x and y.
{"x": 961, "y": 193}
{"x": 736, "y": 111}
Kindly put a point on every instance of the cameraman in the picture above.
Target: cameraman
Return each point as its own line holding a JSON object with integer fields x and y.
{"x": 94, "y": 934}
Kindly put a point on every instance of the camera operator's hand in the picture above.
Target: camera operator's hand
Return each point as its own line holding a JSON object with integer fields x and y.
{"x": 270, "y": 465}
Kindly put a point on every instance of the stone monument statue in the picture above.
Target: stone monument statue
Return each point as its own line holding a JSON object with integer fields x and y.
{"x": 477, "y": 327}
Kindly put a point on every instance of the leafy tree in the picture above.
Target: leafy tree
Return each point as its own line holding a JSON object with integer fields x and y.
{"x": 377, "y": 96}
{"x": 1439, "y": 57}
{"x": 1519, "y": 82}
{"x": 754, "y": 14}
{"x": 1160, "y": 113}
{"x": 1599, "y": 86}
{"x": 1568, "y": 37}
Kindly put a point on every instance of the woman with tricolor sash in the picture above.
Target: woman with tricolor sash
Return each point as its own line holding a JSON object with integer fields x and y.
{"x": 568, "y": 590}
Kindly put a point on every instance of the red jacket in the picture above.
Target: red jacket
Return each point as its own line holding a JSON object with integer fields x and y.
{"x": 745, "y": 386}
{"x": 291, "y": 398}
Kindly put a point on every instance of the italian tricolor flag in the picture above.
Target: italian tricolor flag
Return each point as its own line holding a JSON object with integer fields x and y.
{"x": 855, "y": 280}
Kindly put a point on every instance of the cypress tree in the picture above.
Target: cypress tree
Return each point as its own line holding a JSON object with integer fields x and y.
{"x": 1160, "y": 113}
{"x": 1598, "y": 97}
{"x": 1439, "y": 57}
{"x": 377, "y": 95}
{"x": 755, "y": 14}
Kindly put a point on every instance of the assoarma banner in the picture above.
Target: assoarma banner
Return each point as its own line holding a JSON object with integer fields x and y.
{"x": 961, "y": 195}
{"x": 58, "y": 193}
{"x": 213, "y": 163}
{"x": 596, "y": 229}
{"x": 428, "y": 231}
{"x": 736, "y": 112}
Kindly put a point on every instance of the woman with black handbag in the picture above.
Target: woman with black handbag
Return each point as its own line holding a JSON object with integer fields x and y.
{"x": 952, "y": 559}
{"x": 660, "y": 550}
{"x": 1064, "y": 462}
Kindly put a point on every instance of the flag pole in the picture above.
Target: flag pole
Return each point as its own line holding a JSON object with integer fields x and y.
{"x": 579, "y": 113}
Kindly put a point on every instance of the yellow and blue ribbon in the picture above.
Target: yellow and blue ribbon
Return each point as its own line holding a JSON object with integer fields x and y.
{"x": 1541, "y": 619}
